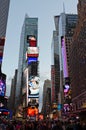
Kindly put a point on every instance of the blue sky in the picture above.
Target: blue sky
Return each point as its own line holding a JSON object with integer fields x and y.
{"x": 45, "y": 10}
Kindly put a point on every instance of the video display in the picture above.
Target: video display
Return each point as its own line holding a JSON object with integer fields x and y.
{"x": 32, "y": 59}
{"x": 32, "y": 111}
{"x": 33, "y": 87}
{"x": 32, "y": 52}
{"x": 2, "y": 84}
{"x": 0, "y": 59}
{"x": 33, "y": 102}
{"x": 32, "y": 41}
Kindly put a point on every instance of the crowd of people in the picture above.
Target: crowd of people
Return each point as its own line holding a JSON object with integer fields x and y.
{"x": 41, "y": 125}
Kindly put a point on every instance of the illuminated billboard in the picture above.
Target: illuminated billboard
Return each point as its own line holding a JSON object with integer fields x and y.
{"x": 33, "y": 102}
{"x": 32, "y": 59}
{"x": 32, "y": 111}
{"x": 32, "y": 52}
{"x": 2, "y": 84}
{"x": 0, "y": 59}
{"x": 33, "y": 87}
{"x": 64, "y": 57}
{"x": 31, "y": 40}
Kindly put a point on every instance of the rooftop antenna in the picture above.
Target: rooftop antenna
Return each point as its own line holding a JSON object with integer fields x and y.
{"x": 63, "y": 8}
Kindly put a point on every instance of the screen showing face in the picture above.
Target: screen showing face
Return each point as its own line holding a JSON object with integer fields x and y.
{"x": 34, "y": 86}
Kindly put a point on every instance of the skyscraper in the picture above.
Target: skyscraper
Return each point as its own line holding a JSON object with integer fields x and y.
{"x": 29, "y": 35}
{"x": 55, "y": 67}
{"x": 78, "y": 61}
{"x": 4, "y": 9}
{"x": 65, "y": 25}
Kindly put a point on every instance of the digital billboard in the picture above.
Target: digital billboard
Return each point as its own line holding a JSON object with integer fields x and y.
{"x": 32, "y": 59}
{"x": 33, "y": 102}
{"x": 0, "y": 59}
{"x": 31, "y": 40}
{"x": 32, "y": 111}
{"x": 33, "y": 87}
{"x": 32, "y": 52}
{"x": 2, "y": 84}
{"x": 64, "y": 57}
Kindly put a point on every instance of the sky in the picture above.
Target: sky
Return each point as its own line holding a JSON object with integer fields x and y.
{"x": 44, "y": 10}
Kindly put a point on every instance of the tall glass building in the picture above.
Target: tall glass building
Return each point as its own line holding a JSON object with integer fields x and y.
{"x": 29, "y": 28}
{"x": 4, "y": 9}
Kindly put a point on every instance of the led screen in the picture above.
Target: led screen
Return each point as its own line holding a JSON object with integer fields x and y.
{"x": 2, "y": 87}
{"x": 67, "y": 108}
{"x": 33, "y": 102}
{"x": 32, "y": 59}
{"x": 32, "y": 52}
{"x": 32, "y": 41}
{"x": 64, "y": 57}
{"x": 33, "y": 87}
{"x": 0, "y": 59}
{"x": 32, "y": 111}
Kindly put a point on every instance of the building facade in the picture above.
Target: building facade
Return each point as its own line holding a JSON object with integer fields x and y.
{"x": 78, "y": 60}
{"x": 55, "y": 68}
{"x": 4, "y": 9}
{"x": 28, "y": 76}
{"x": 46, "y": 107}
{"x": 64, "y": 25}
{"x": 29, "y": 28}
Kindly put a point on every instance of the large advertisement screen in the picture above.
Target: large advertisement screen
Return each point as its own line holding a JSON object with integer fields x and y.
{"x": 31, "y": 40}
{"x": 33, "y": 87}
{"x": 2, "y": 84}
{"x": 32, "y": 59}
{"x": 64, "y": 56}
{"x": 0, "y": 59}
{"x": 33, "y": 102}
{"x": 32, "y": 52}
{"x": 32, "y": 111}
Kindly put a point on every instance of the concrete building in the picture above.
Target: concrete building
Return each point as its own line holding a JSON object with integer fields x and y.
{"x": 55, "y": 68}
{"x": 27, "y": 86}
{"x": 46, "y": 107}
{"x": 4, "y": 9}
{"x": 78, "y": 61}
{"x": 64, "y": 25}
{"x": 11, "y": 103}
